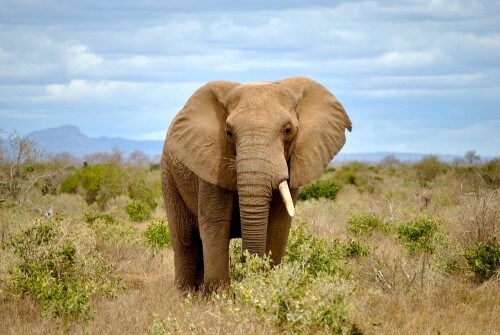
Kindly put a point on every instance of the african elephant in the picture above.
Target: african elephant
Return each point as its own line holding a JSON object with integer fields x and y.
{"x": 233, "y": 160}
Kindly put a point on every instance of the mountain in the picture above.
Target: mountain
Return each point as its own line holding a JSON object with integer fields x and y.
{"x": 71, "y": 139}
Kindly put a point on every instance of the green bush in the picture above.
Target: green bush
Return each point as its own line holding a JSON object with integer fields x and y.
{"x": 140, "y": 189}
{"x": 109, "y": 231}
{"x": 347, "y": 175}
{"x": 53, "y": 271}
{"x": 157, "y": 235}
{"x": 419, "y": 236}
{"x": 428, "y": 168}
{"x": 321, "y": 189}
{"x": 138, "y": 210}
{"x": 490, "y": 173}
{"x": 364, "y": 224}
{"x": 358, "y": 174}
{"x": 316, "y": 255}
{"x": 354, "y": 249}
{"x": 289, "y": 298}
{"x": 483, "y": 259}
{"x": 98, "y": 183}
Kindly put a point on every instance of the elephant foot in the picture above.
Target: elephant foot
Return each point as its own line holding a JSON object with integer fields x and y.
{"x": 215, "y": 286}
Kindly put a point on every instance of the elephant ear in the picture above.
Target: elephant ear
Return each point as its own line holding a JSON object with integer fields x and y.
{"x": 321, "y": 135}
{"x": 197, "y": 135}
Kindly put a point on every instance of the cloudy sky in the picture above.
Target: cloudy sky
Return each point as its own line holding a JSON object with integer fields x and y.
{"x": 414, "y": 76}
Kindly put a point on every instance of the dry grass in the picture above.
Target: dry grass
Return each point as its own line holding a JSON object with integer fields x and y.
{"x": 393, "y": 292}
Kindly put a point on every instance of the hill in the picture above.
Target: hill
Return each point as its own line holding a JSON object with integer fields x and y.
{"x": 70, "y": 139}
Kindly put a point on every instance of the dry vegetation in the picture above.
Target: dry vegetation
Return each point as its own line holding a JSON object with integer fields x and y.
{"x": 395, "y": 249}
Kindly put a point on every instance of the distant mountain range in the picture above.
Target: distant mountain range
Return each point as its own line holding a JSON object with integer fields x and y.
{"x": 70, "y": 139}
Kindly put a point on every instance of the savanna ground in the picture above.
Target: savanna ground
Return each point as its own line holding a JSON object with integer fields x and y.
{"x": 389, "y": 248}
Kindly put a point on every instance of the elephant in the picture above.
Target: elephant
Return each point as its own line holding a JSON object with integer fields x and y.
{"x": 233, "y": 160}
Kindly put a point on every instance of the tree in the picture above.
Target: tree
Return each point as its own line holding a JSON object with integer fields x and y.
{"x": 22, "y": 167}
{"x": 390, "y": 160}
{"x": 471, "y": 157}
{"x": 138, "y": 157}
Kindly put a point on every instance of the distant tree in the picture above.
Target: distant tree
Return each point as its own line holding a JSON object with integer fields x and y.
{"x": 138, "y": 157}
{"x": 65, "y": 158}
{"x": 22, "y": 166}
{"x": 114, "y": 157}
{"x": 471, "y": 157}
{"x": 390, "y": 160}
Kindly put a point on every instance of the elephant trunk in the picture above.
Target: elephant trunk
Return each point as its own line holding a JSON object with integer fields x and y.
{"x": 254, "y": 214}
{"x": 255, "y": 170}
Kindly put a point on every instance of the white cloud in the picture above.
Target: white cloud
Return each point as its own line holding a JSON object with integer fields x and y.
{"x": 78, "y": 89}
{"x": 409, "y": 58}
{"x": 81, "y": 60}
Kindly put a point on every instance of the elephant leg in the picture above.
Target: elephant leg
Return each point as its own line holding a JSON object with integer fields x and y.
{"x": 279, "y": 227}
{"x": 214, "y": 215}
{"x": 186, "y": 241}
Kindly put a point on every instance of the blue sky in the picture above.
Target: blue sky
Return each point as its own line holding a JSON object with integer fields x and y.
{"x": 414, "y": 76}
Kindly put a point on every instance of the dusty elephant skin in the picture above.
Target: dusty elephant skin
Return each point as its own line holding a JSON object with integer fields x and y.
{"x": 233, "y": 160}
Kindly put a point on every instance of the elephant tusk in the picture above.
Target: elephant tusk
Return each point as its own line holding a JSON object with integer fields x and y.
{"x": 287, "y": 198}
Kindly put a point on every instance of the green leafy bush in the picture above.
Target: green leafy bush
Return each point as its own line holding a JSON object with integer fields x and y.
{"x": 289, "y": 297}
{"x": 483, "y": 259}
{"x": 364, "y": 224}
{"x": 419, "y": 236}
{"x": 321, "y": 189}
{"x": 358, "y": 174}
{"x": 243, "y": 264}
{"x": 157, "y": 235}
{"x": 141, "y": 190}
{"x": 97, "y": 183}
{"x": 316, "y": 255}
{"x": 52, "y": 270}
{"x": 138, "y": 210}
{"x": 347, "y": 175}
{"x": 428, "y": 168}
{"x": 490, "y": 173}
{"x": 353, "y": 249}
{"x": 109, "y": 231}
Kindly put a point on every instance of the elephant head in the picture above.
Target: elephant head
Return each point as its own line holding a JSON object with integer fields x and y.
{"x": 257, "y": 138}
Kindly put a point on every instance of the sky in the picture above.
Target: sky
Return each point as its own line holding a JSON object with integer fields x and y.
{"x": 414, "y": 76}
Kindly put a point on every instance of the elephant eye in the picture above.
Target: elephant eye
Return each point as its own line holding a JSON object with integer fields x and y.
{"x": 229, "y": 133}
{"x": 288, "y": 130}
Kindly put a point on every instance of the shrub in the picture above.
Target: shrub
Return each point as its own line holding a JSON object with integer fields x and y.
{"x": 428, "y": 168}
{"x": 483, "y": 259}
{"x": 358, "y": 174}
{"x": 347, "y": 175}
{"x": 98, "y": 183}
{"x": 419, "y": 236}
{"x": 243, "y": 264}
{"x": 109, "y": 231}
{"x": 364, "y": 224}
{"x": 138, "y": 210}
{"x": 157, "y": 235}
{"x": 53, "y": 271}
{"x": 490, "y": 173}
{"x": 354, "y": 249}
{"x": 140, "y": 190}
{"x": 289, "y": 298}
{"x": 321, "y": 189}
{"x": 317, "y": 256}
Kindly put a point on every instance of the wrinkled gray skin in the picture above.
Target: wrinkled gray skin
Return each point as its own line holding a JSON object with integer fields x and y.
{"x": 224, "y": 156}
